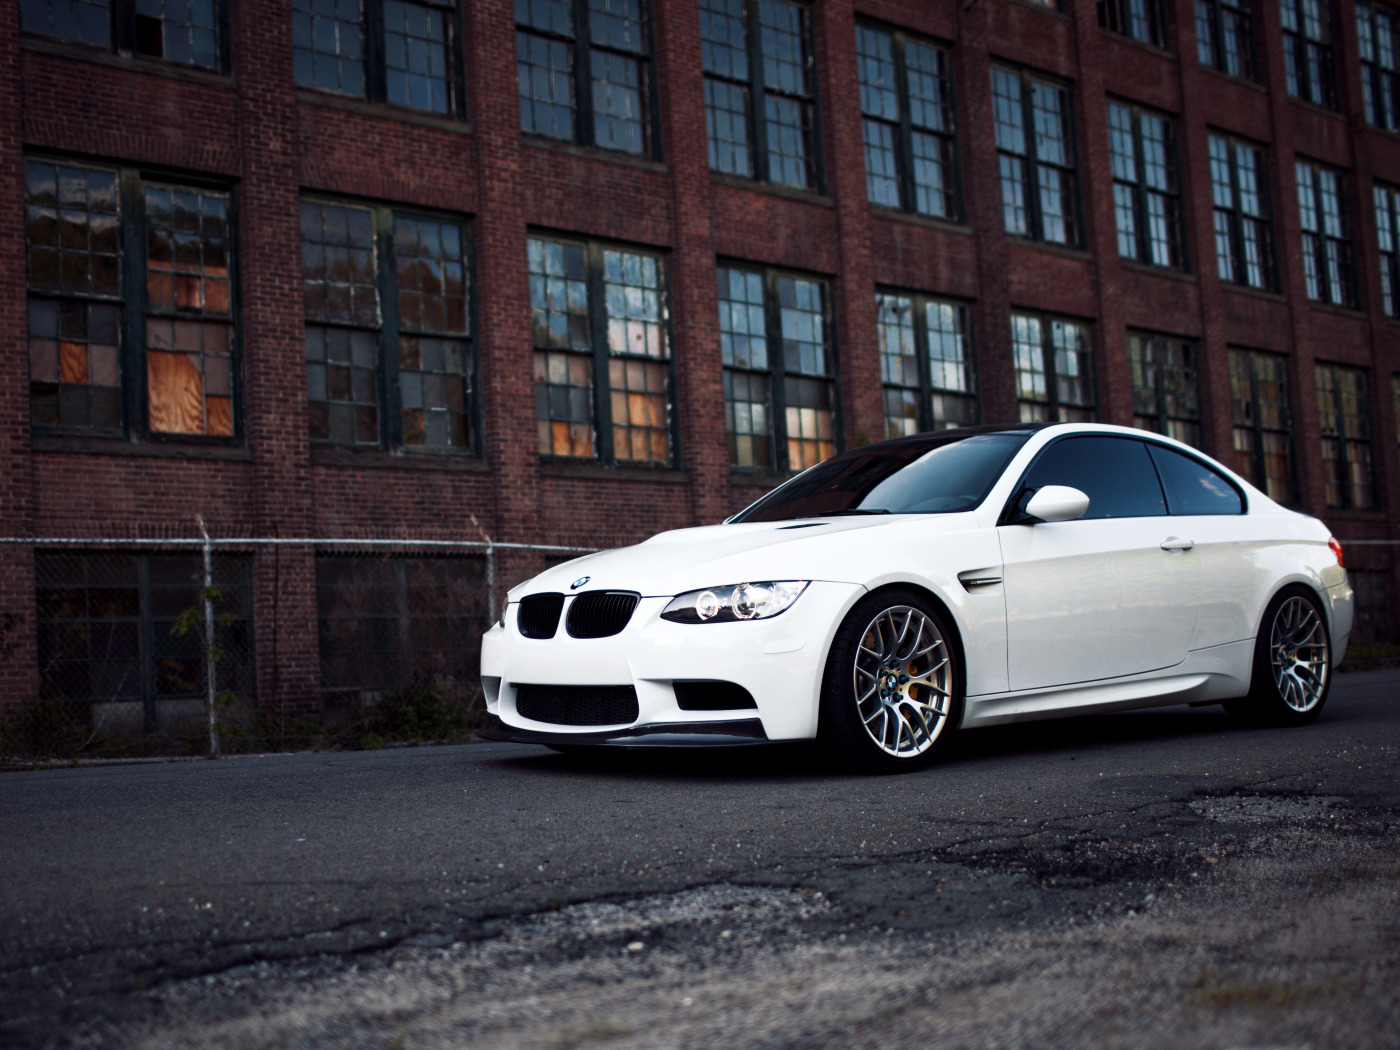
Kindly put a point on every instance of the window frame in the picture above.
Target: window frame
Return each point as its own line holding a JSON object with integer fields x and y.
{"x": 1380, "y": 87}
{"x": 1111, "y": 11}
{"x": 904, "y": 128}
{"x": 1344, "y": 442}
{"x": 1031, "y": 161}
{"x": 1388, "y": 244}
{"x": 1236, "y": 217}
{"x": 384, "y": 220}
{"x": 1218, "y": 58}
{"x": 927, "y": 418}
{"x": 604, "y": 452}
{"x": 1052, "y": 402}
{"x": 581, "y": 81}
{"x": 777, "y": 373}
{"x": 133, "y": 302}
{"x": 1142, "y": 193}
{"x": 122, "y": 37}
{"x": 1318, "y": 255}
{"x": 1161, "y": 417}
{"x": 1256, "y": 429}
{"x": 1299, "y": 48}
{"x": 757, "y": 91}
{"x": 375, "y": 68}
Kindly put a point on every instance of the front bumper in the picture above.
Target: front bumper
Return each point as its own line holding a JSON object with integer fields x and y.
{"x": 729, "y": 733}
{"x": 780, "y": 662}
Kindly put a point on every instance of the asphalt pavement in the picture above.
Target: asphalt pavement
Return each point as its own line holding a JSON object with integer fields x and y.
{"x": 1132, "y": 880}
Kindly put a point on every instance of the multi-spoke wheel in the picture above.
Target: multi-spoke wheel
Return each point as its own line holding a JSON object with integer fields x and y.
{"x": 893, "y": 685}
{"x": 1292, "y": 663}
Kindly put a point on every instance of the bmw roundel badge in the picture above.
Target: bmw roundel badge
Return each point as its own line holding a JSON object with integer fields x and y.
{"x": 579, "y": 582}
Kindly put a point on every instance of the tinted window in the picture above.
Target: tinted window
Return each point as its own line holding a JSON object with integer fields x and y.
{"x": 1115, "y": 473}
{"x": 1192, "y": 487}
{"x": 938, "y": 474}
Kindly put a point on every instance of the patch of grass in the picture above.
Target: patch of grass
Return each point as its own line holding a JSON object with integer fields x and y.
{"x": 597, "y": 1032}
{"x": 1229, "y": 992}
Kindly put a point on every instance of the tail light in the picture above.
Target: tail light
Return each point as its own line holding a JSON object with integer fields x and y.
{"x": 1337, "y": 550}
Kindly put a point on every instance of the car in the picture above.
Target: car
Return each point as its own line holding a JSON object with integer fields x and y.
{"x": 895, "y": 593}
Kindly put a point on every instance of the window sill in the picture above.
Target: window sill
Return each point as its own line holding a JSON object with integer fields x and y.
{"x": 1254, "y": 293}
{"x": 611, "y": 156}
{"x": 382, "y": 110}
{"x": 378, "y": 459}
{"x": 1156, "y": 271}
{"x": 563, "y": 468}
{"x": 1052, "y": 248}
{"x": 1320, "y": 110}
{"x": 139, "y": 64}
{"x": 1141, "y": 45}
{"x": 777, "y": 189}
{"x": 915, "y": 219}
{"x": 114, "y": 446}
{"x": 1341, "y": 311}
{"x": 1231, "y": 78}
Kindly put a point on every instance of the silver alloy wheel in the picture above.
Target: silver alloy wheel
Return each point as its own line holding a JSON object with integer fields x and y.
{"x": 903, "y": 681}
{"x": 1298, "y": 654}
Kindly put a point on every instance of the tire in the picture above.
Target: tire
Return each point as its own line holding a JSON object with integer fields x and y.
{"x": 1292, "y": 672}
{"x": 890, "y": 697}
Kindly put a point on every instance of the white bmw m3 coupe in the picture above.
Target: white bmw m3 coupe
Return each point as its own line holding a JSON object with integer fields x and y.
{"x": 895, "y": 593}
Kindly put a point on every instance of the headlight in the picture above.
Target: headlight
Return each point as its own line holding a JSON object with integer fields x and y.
{"x": 738, "y": 601}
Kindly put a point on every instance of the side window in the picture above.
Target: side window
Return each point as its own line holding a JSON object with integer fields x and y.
{"x": 1192, "y": 487}
{"x": 1115, "y": 473}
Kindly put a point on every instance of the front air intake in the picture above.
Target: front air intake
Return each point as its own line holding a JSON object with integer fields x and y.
{"x": 577, "y": 705}
{"x": 538, "y": 615}
{"x": 709, "y": 695}
{"x": 601, "y": 614}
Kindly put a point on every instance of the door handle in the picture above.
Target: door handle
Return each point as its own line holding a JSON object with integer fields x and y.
{"x": 1171, "y": 543}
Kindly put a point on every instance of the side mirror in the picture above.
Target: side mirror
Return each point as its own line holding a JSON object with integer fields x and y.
{"x": 1057, "y": 503}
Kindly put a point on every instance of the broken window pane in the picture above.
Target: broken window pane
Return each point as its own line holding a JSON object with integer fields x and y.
{"x": 182, "y": 31}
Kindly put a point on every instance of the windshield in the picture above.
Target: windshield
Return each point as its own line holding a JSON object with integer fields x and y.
{"x": 938, "y": 474}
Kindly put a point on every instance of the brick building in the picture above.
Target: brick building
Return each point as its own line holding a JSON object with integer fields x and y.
{"x": 587, "y": 269}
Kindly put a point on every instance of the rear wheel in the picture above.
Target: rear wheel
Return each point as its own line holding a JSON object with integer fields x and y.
{"x": 1292, "y": 663}
{"x": 892, "y": 692}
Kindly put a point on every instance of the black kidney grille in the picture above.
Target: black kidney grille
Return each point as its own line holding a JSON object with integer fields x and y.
{"x": 577, "y": 705}
{"x": 538, "y": 616}
{"x": 600, "y": 614}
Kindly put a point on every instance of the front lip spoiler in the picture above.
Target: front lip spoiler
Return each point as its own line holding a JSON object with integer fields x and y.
{"x": 741, "y": 732}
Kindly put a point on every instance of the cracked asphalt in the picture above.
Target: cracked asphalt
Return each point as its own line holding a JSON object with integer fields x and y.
{"x": 1135, "y": 880}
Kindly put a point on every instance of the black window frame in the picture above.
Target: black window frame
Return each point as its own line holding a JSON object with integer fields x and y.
{"x": 1379, "y": 84}
{"x": 1220, "y": 20}
{"x": 133, "y": 300}
{"x": 375, "y": 70}
{"x": 928, "y": 417}
{"x": 1248, "y": 426}
{"x": 776, "y": 372}
{"x": 1031, "y": 162}
{"x": 1316, "y": 241}
{"x": 388, "y": 368}
{"x": 1055, "y": 405}
{"x": 602, "y": 422}
{"x": 581, "y": 80}
{"x": 124, "y": 34}
{"x": 757, "y": 90}
{"x": 1386, "y": 199}
{"x": 1143, "y": 194}
{"x": 1301, "y": 49}
{"x": 1235, "y": 218}
{"x": 1348, "y": 459}
{"x": 905, "y": 130}
{"x": 1161, "y": 397}
{"x": 1116, "y": 17}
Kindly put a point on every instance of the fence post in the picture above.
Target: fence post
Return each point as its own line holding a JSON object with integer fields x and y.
{"x": 209, "y": 669}
{"x": 490, "y": 571}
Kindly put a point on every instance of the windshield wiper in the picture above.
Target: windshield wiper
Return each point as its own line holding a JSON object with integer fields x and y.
{"x": 849, "y": 512}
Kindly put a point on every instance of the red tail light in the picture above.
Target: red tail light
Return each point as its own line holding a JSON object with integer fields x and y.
{"x": 1336, "y": 549}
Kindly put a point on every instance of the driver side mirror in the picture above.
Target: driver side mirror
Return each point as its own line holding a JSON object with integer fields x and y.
{"x": 1055, "y": 503}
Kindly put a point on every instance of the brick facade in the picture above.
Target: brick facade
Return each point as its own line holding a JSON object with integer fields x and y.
{"x": 253, "y": 129}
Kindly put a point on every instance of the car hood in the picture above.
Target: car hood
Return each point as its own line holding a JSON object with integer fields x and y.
{"x": 671, "y": 563}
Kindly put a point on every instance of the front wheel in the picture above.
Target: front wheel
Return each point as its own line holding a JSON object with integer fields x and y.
{"x": 892, "y": 692}
{"x": 1292, "y": 663}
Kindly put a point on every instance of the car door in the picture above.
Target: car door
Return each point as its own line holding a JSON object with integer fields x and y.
{"x": 1112, "y": 593}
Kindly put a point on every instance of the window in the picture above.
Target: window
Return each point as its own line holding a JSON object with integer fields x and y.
{"x": 1307, "y": 51}
{"x": 1146, "y": 201}
{"x": 1388, "y": 240}
{"x": 602, "y": 352}
{"x": 89, "y": 338}
{"x": 1259, "y": 402}
{"x": 389, "y": 359}
{"x": 590, "y": 86}
{"x": 1191, "y": 486}
{"x": 1138, "y": 19}
{"x": 925, "y": 364}
{"x": 780, "y": 403}
{"x": 762, "y": 128}
{"x": 1165, "y": 384}
{"x": 1344, "y": 415}
{"x": 907, "y": 103}
{"x": 1038, "y": 194}
{"x": 1380, "y": 65}
{"x": 384, "y": 50}
{"x": 1327, "y": 268}
{"x": 187, "y": 32}
{"x": 1054, "y": 369}
{"x": 1244, "y": 250}
{"x": 1115, "y": 473}
{"x": 1225, "y": 36}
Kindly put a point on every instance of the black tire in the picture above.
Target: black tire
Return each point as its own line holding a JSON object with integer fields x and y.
{"x": 1292, "y": 671}
{"x": 912, "y": 689}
